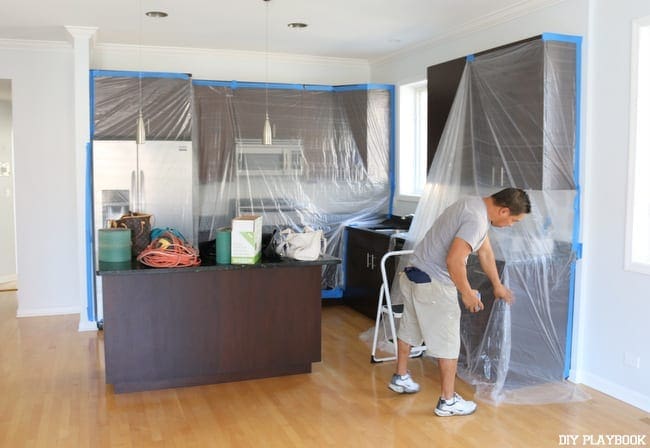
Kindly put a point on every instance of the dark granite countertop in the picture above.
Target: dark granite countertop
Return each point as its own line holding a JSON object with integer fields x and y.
{"x": 209, "y": 264}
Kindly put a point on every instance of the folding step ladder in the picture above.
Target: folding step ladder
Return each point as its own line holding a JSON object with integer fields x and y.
{"x": 386, "y": 311}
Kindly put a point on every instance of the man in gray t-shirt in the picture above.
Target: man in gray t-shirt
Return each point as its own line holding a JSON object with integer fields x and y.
{"x": 437, "y": 273}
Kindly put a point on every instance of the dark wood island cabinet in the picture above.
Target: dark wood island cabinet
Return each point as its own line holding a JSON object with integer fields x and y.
{"x": 211, "y": 324}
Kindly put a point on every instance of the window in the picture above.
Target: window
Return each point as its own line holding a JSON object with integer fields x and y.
{"x": 637, "y": 238}
{"x": 412, "y": 139}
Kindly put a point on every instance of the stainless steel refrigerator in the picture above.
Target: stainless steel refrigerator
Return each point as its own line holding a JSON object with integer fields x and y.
{"x": 156, "y": 177}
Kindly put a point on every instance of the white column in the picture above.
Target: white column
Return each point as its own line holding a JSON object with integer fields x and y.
{"x": 82, "y": 39}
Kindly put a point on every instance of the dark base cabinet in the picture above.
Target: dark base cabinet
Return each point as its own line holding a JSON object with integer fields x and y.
{"x": 365, "y": 248}
{"x": 524, "y": 344}
{"x": 186, "y": 328}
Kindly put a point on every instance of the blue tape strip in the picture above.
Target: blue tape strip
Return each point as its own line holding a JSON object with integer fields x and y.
{"x": 90, "y": 262}
{"x": 353, "y": 87}
{"x": 335, "y": 293}
{"x": 578, "y": 148}
{"x": 562, "y": 38}
{"x": 91, "y": 81}
{"x": 575, "y": 243}
{"x": 318, "y": 88}
{"x": 470, "y": 57}
{"x": 247, "y": 85}
{"x": 391, "y": 151}
{"x": 132, "y": 74}
{"x": 344, "y": 259}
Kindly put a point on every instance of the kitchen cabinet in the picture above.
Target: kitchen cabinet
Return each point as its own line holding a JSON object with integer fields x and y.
{"x": 525, "y": 343}
{"x": 442, "y": 84}
{"x": 520, "y": 131}
{"x": 166, "y": 106}
{"x": 175, "y": 327}
{"x": 365, "y": 247}
{"x": 475, "y": 354}
{"x": 523, "y": 124}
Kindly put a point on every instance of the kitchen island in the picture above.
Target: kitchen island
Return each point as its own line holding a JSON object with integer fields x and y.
{"x": 210, "y": 324}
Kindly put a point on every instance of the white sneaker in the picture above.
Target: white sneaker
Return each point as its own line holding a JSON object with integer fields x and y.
{"x": 455, "y": 406}
{"x": 403, "y": 384}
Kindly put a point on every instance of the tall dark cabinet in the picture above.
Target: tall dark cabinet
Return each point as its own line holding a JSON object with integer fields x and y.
{"x": 442, "y": 83}
{"x": 517, "y": 128}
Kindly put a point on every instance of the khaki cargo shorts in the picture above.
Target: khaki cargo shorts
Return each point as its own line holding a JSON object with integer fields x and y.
{"x": 431, "y": 314}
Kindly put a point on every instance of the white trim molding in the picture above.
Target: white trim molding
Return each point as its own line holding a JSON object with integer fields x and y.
{"x": 639, "y": 151}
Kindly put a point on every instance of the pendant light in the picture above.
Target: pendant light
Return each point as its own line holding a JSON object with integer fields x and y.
{"x": 267, "y": 134}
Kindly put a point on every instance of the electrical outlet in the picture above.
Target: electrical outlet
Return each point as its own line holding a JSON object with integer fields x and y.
{"x": 632, "y": 360}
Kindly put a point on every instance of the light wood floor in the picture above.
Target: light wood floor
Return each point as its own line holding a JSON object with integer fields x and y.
{"x": 52, "y": 394}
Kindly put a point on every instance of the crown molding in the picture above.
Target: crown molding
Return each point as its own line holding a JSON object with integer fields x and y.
{"x": 226, "y": 53}
{"x": 36, "y": 45}
{"x": 520, "y": 9}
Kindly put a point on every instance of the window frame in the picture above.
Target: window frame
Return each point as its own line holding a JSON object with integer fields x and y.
{"x": 639, "y": 149}
{"x": 407, "y": 137}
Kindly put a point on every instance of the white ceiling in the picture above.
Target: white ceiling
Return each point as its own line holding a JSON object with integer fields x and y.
{"x": 365, "y": 29}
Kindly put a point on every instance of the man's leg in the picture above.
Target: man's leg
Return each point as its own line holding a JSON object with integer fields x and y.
{"x": 447, "y": 377}
{"x": 403, "y": 352}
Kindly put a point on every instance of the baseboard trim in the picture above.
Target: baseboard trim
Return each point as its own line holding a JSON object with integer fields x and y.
{"x": 86, "y": 325}
{"x": 39, "y": 312}
{"x": 624, "y": 394}
{"x": 8, "y": 278}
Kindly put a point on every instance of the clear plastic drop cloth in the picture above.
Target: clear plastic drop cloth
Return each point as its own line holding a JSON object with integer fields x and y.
{"x": 327, "y": 166}
{"x": 204, "y": 163}
{"x": 156, "y": 176}
{"x": 513, "y": 124}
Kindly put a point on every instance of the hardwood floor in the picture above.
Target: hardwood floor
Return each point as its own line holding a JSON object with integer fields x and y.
{"x": 52, "y": 394}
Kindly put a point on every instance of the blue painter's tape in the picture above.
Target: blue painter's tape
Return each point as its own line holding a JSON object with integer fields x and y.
{"x": 470, "y": 57}
{"x": 132, "y": 74}
{"x": 203, "y": 82}
{"x": 91, "y": 82}
{"x": 247, "y": 85}
{"x": 344, "y": 258}
{"x": 562, "y": 38}
{"x": 576, "y": 245}
{"x": 90, "y": 262}
{"x": 353, "y": 87}
{"x": 335, "y": 293}
{"x": 391, "y": 150}
{"x": 318, "y": 88}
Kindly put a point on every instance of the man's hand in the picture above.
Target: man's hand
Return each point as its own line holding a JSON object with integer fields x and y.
{"x": 472, "y": 301}
{"x": 503, "y": 293}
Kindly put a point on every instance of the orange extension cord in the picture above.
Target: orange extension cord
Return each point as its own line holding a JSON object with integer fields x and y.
{"x": 169, "y": 251}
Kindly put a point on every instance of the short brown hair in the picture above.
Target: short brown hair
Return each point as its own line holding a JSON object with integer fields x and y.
{"x": 515, "y": 199}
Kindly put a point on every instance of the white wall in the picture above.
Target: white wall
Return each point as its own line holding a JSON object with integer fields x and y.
{"x": 615, "y": 303}
{"x": 612, "y": 306}
{"x": 44, "y": 176}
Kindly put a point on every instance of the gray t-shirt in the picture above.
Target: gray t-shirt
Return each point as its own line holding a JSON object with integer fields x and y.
{"x": 466, "y": 219}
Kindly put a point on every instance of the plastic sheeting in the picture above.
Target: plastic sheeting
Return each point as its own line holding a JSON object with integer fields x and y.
{"x": 329, "y": 165}
{"x": 513, "y": 124}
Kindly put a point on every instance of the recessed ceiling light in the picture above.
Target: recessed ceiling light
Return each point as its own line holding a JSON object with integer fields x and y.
{"x": 156, "y": 14}
{"x": 297, "y": 25}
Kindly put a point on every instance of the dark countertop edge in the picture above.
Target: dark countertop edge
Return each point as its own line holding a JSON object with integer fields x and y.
{"x": 134, "y": 267}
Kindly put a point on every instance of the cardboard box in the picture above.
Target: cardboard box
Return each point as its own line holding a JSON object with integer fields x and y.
{"x": 246, "y": 239}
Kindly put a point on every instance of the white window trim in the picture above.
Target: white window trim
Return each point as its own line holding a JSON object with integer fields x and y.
{"x": 630, "y": 264}
{"x": 400, "y": 195}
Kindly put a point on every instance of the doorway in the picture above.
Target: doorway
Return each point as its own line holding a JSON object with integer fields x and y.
{"x": 8, "y": 276}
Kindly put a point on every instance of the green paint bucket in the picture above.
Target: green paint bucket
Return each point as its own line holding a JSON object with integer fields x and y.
{"x": 223, "y": 245}
{"x": 114, "y": 245}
